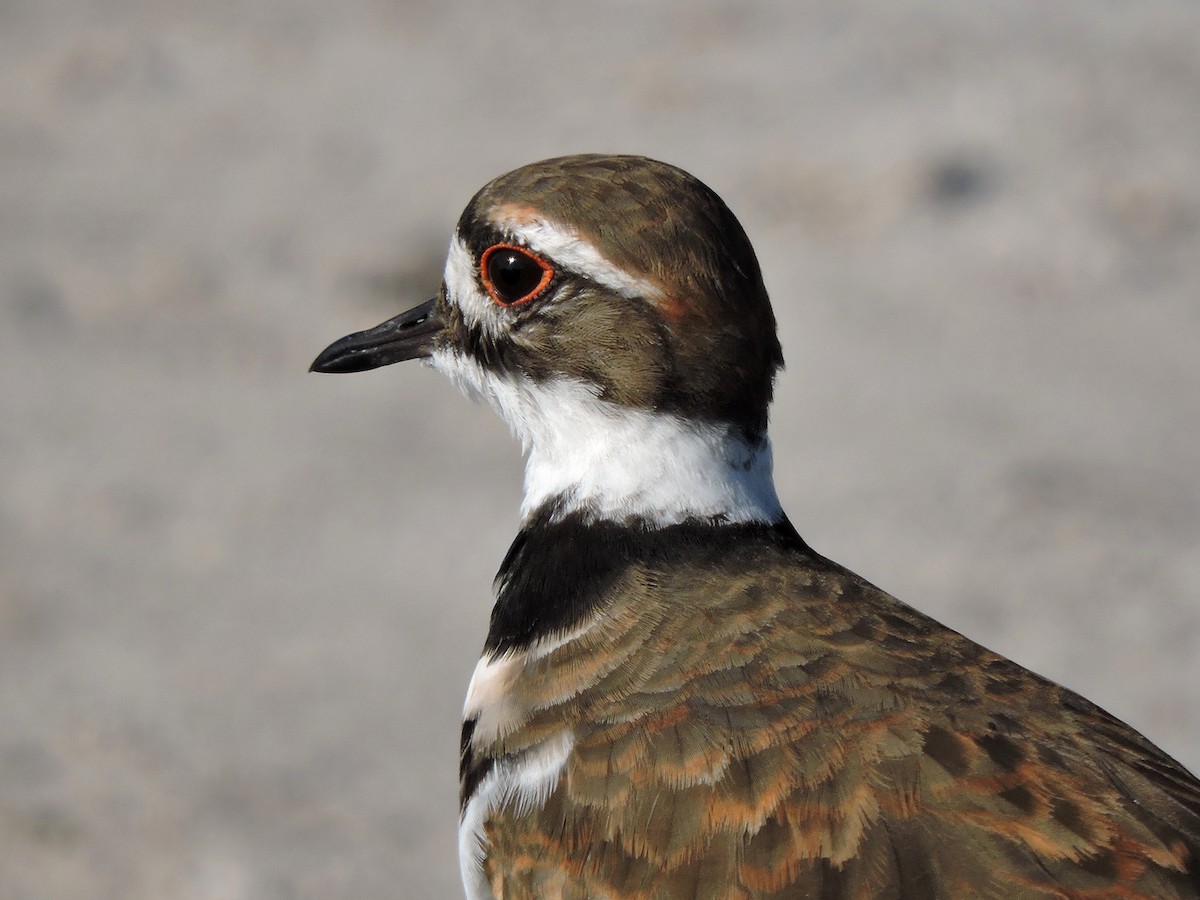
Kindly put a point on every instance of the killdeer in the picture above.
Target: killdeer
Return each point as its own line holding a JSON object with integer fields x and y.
{"x": 677, "y": 697}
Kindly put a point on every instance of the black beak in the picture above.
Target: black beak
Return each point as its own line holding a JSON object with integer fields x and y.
{"x": 409, "y": 335}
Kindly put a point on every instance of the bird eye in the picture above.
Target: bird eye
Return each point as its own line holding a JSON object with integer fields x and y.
{"x": 513, "y": 275}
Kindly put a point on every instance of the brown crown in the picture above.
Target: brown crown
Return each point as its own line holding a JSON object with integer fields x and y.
{"x": 703, "y": 345}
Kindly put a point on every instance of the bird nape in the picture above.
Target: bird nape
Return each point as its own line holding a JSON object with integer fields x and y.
{"x": 677, "y": 697}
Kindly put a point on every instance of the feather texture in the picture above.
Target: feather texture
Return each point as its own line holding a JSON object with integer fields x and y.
{"x": 749, "y": 720}
{"x": 678, "y": 699}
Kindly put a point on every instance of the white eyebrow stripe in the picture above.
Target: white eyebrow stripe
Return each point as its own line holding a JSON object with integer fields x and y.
{"x": 568, "y": 249}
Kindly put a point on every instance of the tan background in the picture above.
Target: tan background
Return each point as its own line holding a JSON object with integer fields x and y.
{"x": 239, "y": 603}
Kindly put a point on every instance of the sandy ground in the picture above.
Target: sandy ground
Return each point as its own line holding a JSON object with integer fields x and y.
{"x": 239, "y": 603}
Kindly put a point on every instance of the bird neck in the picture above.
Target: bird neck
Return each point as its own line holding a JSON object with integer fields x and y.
{"x": 589, "y": 457}
{"x": 617, "y": 464}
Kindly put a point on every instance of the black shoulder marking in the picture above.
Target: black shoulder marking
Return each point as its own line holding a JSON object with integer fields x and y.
{"x": 472, "y": 768}
{"x": 557, "y": 572}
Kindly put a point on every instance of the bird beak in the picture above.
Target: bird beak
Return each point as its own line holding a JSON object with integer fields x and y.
{"x": 409, "y": 335}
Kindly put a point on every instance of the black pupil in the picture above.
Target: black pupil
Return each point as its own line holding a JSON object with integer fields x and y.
{"x": 513, "y": 274}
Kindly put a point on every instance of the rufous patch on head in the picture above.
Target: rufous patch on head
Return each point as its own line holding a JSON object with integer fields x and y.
{"x": 513, "y": 216}
{"x": 671, "y": 307}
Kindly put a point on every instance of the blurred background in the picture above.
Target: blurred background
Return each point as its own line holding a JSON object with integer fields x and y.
{"x": 239, "y": 604}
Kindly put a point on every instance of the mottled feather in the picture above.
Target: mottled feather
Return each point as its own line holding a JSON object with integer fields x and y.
{"x": 750, "y": 720}
{"x": 678, "y": 698}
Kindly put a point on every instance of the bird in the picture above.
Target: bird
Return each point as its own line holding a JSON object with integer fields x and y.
{"x": 677, "y": 696}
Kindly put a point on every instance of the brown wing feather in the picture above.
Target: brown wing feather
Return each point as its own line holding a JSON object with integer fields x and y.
{"x": 795, "y": 732}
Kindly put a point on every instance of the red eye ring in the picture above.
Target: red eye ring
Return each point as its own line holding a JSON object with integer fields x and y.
{"x": 512, "y": 275}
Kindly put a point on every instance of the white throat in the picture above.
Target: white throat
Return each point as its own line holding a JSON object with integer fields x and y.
{"x": 619, "y": 464}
